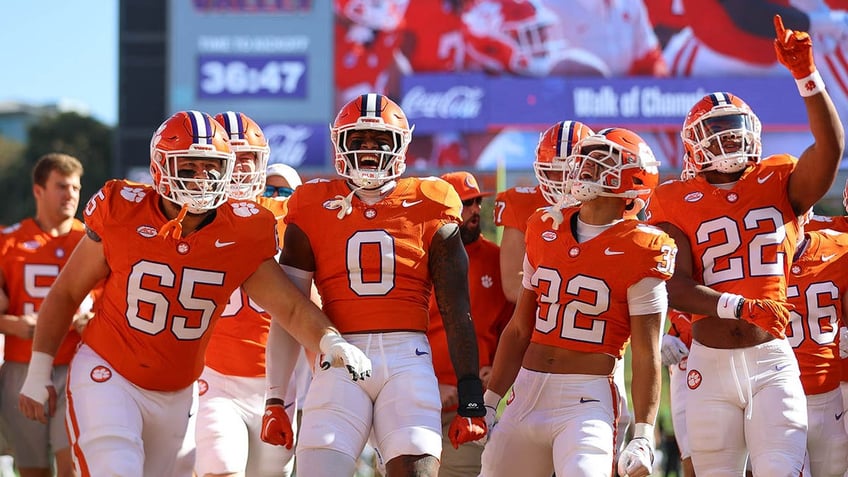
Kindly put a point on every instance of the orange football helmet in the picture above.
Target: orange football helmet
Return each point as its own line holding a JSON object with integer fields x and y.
{"x": 246, "y": 136}
{"x": 196, "y": 135}
{"x": 721, "y": 133}
{"x": 613, "y": 162}
{"x": 515, "y": 36}
{"x": 377, "y": 113}
{"x": 551, "y": 167}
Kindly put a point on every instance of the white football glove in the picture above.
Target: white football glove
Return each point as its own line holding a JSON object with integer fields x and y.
{"x": 491, "y": 400}
{"x": 843, "y": 342}
{"x": 672, "y": 349}
{"x": 637, "y": 459}
{"x": 338, "y": 352}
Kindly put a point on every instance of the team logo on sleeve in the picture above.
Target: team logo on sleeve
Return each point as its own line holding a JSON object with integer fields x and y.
{"x": 202, "y": 387}
{"x": 132, "y": 194}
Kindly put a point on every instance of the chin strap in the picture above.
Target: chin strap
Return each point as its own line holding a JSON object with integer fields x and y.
{"x": 174, "y": 227}
{"x": 554, "y": 213}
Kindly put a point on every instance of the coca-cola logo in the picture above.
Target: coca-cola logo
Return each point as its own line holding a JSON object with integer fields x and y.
{"x": 457, "y": 102}
{"x": 287, "y": 143}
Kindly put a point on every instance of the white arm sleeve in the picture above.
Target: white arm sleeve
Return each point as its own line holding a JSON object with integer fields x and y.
{"x": 528, "y": 273}
{"x": 282, "y": 350}
{"x": 281, "y": 353}
{"x": 301, "y": 278}
{"x": 647, "y": 296}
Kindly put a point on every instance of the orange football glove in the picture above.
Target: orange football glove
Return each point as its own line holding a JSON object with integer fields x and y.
{"x": 466, "y": 429}
{"x": 276, "y": 425}
{"x": 770, "y": 315}
{"x": 794, "y": 50}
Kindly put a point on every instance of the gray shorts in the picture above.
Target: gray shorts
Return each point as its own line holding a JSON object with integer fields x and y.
{"x": 33, "y": 443}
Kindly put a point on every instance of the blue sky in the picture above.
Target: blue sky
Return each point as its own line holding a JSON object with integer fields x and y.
{"x": 60, "y": 51}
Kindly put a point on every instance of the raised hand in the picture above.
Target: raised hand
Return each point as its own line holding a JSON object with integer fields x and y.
{"x": 794, "y": 50}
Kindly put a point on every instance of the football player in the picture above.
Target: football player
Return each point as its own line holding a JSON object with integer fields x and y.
{"x": 232, "y": 386}
{"x": 491, "y": 311}
{"x": 171, "y": 255}
{"x": 578, "y": 310}
{"x": 32, "y": 252}
{"x": 376, "y": 244}
{"x": 818, "y": 289}
{"x": 737, "y": 228}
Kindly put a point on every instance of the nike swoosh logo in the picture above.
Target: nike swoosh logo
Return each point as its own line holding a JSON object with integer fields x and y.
{"x": 420, "y": 353}
{"x": 827, "y": 257}
{"x": 584, "y": 400}
{"x": 780, "y": 367}
{"x": 612, "y": 252}
{"x": 406, "y": 203}
{"x": 839, "y": 416}
{"x": 762, "y": 180}
{"x": 220, "y": 244}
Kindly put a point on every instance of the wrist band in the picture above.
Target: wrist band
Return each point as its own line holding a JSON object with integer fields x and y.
{"x": 810, "y": 85}
{"x": 644, "y": 430}
{"x": 728, "y": 306}
{"x": 491, "y": 399}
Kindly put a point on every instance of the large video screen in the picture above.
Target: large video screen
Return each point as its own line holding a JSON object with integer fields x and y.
{"x": 480, "y": 79}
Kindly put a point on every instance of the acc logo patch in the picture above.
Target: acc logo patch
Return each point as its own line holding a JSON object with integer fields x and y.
{"x": 693, "y": 379}
{"x": 101, "y": 374}
{"x": 146, "y": 231}
{"x": 682, "y": 364}
{"x": 693, "y": 197}
{"x": 549, "y": 236}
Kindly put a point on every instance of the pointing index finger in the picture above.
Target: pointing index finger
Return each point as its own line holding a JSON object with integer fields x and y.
{"x": 779, "y": 29}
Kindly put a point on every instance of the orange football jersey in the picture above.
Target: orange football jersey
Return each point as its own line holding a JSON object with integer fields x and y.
{"x": 681, "y": 326}
{"x": 237, "y": 346}
{"x": 743, "y": 238}
{"x": 838, "y": 223}
{"x": 31, "y": 260}
{"x": 163, "y": 296}
{"x": 818, "y": 279}
{"x": 372, "y": 265}
{"x": 581, "y": 288}
{"x": 513, "y": 206}
{"x": 490, "y": 310}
